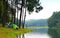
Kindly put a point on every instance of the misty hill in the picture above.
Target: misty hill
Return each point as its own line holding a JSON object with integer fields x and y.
{"x": 40, "y": 22}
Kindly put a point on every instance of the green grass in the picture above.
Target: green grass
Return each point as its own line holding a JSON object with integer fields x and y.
{"x": 11, "y": 33}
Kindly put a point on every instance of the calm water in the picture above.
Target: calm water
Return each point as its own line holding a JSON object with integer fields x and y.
{"x": 43, "y": 33}
{"x": 38, "y": 33}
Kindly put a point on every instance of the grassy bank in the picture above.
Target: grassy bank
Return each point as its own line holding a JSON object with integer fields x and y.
{"x": 11, "y": 33}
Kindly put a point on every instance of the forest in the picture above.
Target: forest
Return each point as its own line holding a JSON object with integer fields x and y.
{"x": 54, "y": 25}
{"x": 8, "y": 10}
{"x": 9, "y": 28}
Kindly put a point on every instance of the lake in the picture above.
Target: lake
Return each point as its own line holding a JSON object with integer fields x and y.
{"x": 38, "y": 33}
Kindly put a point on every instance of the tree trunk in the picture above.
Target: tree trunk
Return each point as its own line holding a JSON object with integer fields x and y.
{"x": 24, "y": 15}
{"x": 13, "y": 12}
{"x": 24, "y": 18}
{"x": 13, "y": 15}
{"x": 5, "y": 14}
{"x": 20, "y": 17}
{"x": 21, "y": 14}
{"x": 17, "y": 17}
{"x": 5, "y": 18}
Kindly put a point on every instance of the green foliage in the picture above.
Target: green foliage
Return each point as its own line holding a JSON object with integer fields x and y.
{"x": 30, "y": 8}
{"x": 54, "y": 33}
{"x": 54, "y": 19}
{"x": 30, "y": 4}
{"x": 3, "y": 8}
{"x": 54, "y": 25}
{"x": 33, "y": 4}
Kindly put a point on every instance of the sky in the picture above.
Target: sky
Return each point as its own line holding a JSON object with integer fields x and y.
{"x": 49, "y": 6}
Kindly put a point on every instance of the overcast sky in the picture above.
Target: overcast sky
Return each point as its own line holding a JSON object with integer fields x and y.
{"x": 49, "y": 6}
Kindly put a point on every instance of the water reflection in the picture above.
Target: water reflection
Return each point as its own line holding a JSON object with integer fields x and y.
{"x": 42, "y": 33}
{"x": 38, "y": 33}
{"x": 41, "y": 30}
{"x": 54, "y": 33}
{"x": 21, "y": 36}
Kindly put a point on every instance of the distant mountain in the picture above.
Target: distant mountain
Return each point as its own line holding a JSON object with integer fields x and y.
{"x": 40, "y": 22}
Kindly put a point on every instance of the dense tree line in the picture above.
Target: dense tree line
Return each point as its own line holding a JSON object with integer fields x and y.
{"x": 54, "y": 25}
{"x": 54, "y": 19}
{"x": 5, "y": 12}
